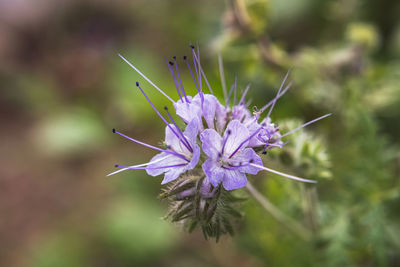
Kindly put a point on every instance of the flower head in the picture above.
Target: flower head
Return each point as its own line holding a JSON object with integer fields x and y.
{"x": 219, "y": 147}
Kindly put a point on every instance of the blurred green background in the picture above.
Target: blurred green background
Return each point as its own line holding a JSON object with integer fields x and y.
{"x": 63, "y": 88}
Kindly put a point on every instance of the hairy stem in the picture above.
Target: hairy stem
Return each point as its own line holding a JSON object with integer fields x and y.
{"x": 291, "y": 224}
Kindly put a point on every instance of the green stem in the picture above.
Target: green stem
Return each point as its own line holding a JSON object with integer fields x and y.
{"x": 291, "y": 224}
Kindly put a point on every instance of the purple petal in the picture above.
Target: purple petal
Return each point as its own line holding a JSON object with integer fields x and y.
{"x": 173, "y": 141}
{"x": 238, "y": 134}
{"x": 187, "y": 111}
{"x": 191, "y": 131}
{"x": 208, "y": 107}
{"x": 195, "y": 158}
{"x": 246, "y": 156}
{"x": 240, "y": 112}
{"x": 211, "y": 143}
{"x": 172, "y": 174}
{"x": 161, "y": 160}
{"x": 234, "y": 180}
{"x": 214, "y": 172}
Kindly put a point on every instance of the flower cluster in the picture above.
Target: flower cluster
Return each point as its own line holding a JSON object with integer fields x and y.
{"x": 220, "y": 145}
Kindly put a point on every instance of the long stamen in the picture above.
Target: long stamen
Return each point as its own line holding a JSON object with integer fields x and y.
{"x": 222, "y": 75}
{"x": 139, "y": 165}
{"x": 149, "y": 168}
{"x": 279, "y": 91}
{"x": 198, "y": 75}
{"x": 180, "y": 81}
{"x": 158, "y": 113}
{"x": 244, "y": 94}
{"x": 229, "y": 96}
{"x": 150, "y": 146}
{"x": 283, "y": 174}
{"x": 191, "y": 73}
{"x": 187, "y": 145}
{"x": 196, "y": 66}
{"x": 244, "y": 141}
{"x": 204, "y": 76}
{"x": 170, "y": 64}
{"x": 226, "y": 139}
{"x": 305, "y": 124}
{"x": 277, "y": 97}
{"x": 234, "y": 92}
{"x": 147, "y": 79}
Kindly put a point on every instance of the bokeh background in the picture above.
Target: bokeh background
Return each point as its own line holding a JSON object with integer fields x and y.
{"x": 63, "y": 88}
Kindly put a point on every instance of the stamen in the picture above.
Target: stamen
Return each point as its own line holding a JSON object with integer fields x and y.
{"x": 139, "y": 165}
{"x": 229, "y": 96}
{"x": 186, "y": 144}
{"x": 152, "y": 147}
{"x": 204, "y": 76}
{"x": 170, "y": 64}
{"x": 198, "y": 66}
{"x": 150, "y": 168}
{"x": 242, "y": 143}
{"x": 158, "y": 113}
{"x": 283, "y": 174}
{"x": 222, "y": 75}
{"x": 197, "y": 74}
{"x": 147, "y": 79}
{"x": 191, "y": 73}
{"x": 279, "y": 91}
{"x": 244, "y": 94}
{"x": 234, "y": 92}
{"x": 306, "y": 124}
{"x": 277, "y": 97}
{"x": 226, "y": 139}
{"x": 180, "y": 81}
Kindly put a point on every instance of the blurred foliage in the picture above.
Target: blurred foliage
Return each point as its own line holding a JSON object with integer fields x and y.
{"x": 64, "y": 88}
{"x": 344, "y": 68}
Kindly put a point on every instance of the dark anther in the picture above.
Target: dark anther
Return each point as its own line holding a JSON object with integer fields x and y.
{"x": 229, "y": 132}
{"x": 168, "y": 147}
{"x": 263, "y": 124}
{"x": 137, "y": 83}
{"x": 116, "y": 165}
{"x": 219, "y": 155}
{"x": 240, "y": 163}
{"x": 174, "y": 57}
{"x": 171, "y": 63}
{"x": 264, "y": 152}
{"x": 113, "y": 130}
{"x": 251, "y": 161}
{"x": 184, "y": 57}
{"x": 192, "y": 46}
{"x": 165, "y": 108}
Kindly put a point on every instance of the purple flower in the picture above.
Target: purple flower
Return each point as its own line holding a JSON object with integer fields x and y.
{"x": 202, "y": 106}
{"x": 267, "y": 134}
{"x": 229, "y": 159}
{"x": 184, "y": 158}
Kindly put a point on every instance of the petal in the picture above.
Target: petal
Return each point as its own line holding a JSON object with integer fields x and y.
{"x": 221, "y": 117}
{"x": 211, "y": 143}
{"x": 246, "y": 156}
{"x": 234, "y": 180}
{"x": 238, "y": 134}
{"x": 208, "y": 107}
{"x": 253, "y": 126}
{"x": 191, "y": 131}
{"x": 240, "y": 112}
{"x": 173, "y": 173}
{"x": 173, "y": 141}
{"x": 187, "y": 111}
{"x": 195, "y": 158}
{"x": 213, "y": 171}
{"x": 163, "y": 159}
